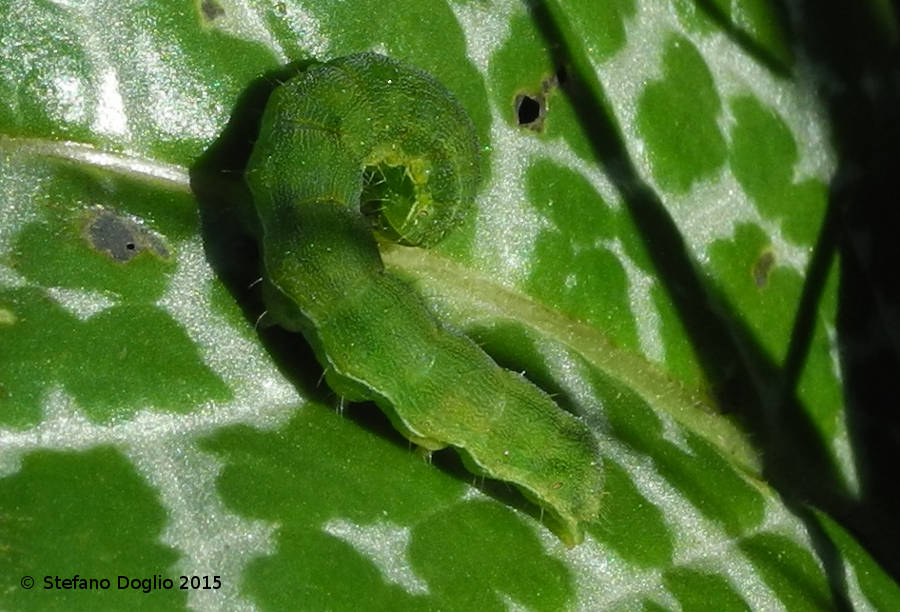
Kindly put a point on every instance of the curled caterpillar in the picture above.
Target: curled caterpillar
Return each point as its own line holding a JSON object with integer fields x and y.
{"x": 365, "y": 143}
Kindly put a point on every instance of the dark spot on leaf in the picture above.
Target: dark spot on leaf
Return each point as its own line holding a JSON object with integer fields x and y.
{"x": 121, "y": 237}
{"x": 528, "y": 110}
{"x": 211, "y": 9}
{"x": 762, "y": 268}
{"x": 531, "y": 109}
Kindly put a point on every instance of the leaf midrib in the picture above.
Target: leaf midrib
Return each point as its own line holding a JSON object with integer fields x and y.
{"x": 475, "y": 295}
{"x": 481, "y": 298}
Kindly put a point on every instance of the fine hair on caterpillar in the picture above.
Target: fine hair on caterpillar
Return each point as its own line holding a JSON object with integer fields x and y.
{"x": 364, "y": 144}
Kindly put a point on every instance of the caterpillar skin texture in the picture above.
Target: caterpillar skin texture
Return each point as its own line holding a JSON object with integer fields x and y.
{"x": 369, "y": 120}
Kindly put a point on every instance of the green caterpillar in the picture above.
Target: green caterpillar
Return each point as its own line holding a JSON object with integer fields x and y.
{"x": 365, "y": 141}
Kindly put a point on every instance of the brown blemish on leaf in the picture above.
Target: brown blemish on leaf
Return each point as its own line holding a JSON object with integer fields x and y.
{"x": 211, "y": 9}
{"x": 762, "y": 268}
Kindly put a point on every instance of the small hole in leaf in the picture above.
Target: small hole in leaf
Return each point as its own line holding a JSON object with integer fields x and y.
{"x": 528, "y": 110}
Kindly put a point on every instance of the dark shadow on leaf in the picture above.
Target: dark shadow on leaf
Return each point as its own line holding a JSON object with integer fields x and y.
{"x": 857, "y": 57}
{"x": 744, "y": 379}
{"x": 746, "y": 41}
{"x": 217, "y": 180}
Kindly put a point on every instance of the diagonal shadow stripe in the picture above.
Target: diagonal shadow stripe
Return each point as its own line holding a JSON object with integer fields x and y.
{"x": 744, "y": 379}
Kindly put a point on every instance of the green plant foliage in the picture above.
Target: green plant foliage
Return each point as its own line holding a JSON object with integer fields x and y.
{"x": 153, "y": 422}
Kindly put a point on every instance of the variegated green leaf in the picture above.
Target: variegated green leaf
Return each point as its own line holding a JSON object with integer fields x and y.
{"x": 657, "y": 180}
